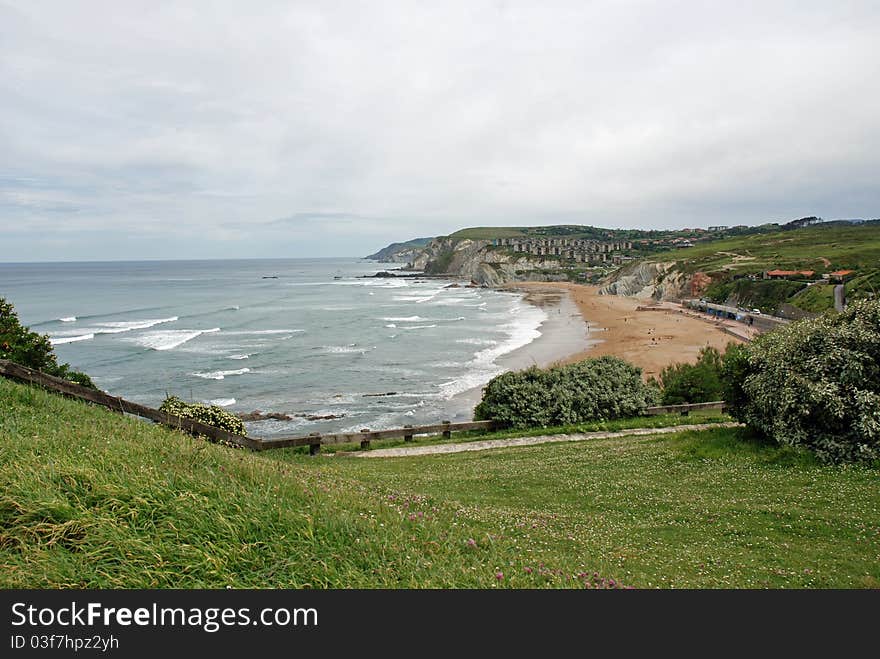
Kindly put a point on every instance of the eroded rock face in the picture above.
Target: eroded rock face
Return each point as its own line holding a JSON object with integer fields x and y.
{"x": 637, "y": 280}
{"x": 484, "y": 266}
{"x": 655, "y": 280}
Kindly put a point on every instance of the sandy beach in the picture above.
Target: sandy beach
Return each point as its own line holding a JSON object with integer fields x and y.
{"x": 649, "y": 339}
{"x": 582, "y": 324}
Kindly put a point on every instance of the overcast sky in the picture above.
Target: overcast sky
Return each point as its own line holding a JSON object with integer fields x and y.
{"x": 271, "y": 129}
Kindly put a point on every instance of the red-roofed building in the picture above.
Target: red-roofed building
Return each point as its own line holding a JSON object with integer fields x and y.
{"x": 788, "y": 274}
{"x": 840, "y": 275}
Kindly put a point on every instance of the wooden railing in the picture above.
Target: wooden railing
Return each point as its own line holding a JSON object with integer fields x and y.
{"x": 73, "y": 390}
{"x": 685, "y": 409}
{"x": 314, "y": 441}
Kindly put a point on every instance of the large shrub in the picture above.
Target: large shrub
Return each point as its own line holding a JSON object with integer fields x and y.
{"x": 211, "y": 415}
{"x": 814, "y": 383}
{"x": 602, "y": 388}
{"x": 20, "y": 345}
{"x": 693, "y": 383}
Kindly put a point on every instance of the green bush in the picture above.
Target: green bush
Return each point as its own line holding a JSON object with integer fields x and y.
{"x": 693, "y": 383}
{"x": 20, "y": 345}
{"x": 814, "y": 383}
{"x": 594, "y": 389}
{"x": 211, "y": 415}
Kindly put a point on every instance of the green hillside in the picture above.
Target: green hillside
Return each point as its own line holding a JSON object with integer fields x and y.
{"x": 387, "y": 252}
{"x": 575, "y": 231}
{"x": 822, "y": 249}
{"x": 92, "y": 499}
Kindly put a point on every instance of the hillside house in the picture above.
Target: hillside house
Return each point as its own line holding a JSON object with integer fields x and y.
{"x": 840, "y": 276}
{"x": 789, "y": 274}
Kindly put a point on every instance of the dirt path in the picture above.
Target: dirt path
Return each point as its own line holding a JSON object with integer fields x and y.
{"x": 403, "y": 451}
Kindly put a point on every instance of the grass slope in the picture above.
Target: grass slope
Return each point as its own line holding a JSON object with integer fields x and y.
{"x": 847, "y": 246}
{"x": 92, "y": 499}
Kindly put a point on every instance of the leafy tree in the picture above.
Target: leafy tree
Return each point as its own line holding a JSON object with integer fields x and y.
{"x": 814, "y": 383}
{"x": 20, "y": 345}
{"x": 693, "y": 383}
{"x": 602, "y": 388}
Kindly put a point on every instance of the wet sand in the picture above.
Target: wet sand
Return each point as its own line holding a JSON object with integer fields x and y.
{"x": 649, "y": 339}
{"x": 582, "y": 324}
{"x": 563, "y": 334}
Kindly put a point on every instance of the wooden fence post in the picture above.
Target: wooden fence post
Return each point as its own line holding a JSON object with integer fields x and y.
{"x": 447, "y": 434}
{"x": 365, "y": 443}
{"x": 408, "y": 437}
{"x": 315, "y": 447}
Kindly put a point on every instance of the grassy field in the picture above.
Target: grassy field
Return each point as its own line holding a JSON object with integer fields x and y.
{"x": 92, "y": 499}
{"x": 818, "y": 248}
{"x": 815, "y": 299}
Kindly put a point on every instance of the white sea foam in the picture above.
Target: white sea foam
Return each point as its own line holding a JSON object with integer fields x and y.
{"x": 118, "y": 327}
{"x": 170, "y": 339}
{"x": 404, "y": 319}
{"x": 477, "y": 342}
{"x": 413, "y": 327}
{"x": 109, "y": 327}
{"x": 222, "y": 402}
{"x": 482, "y": 368}
{"x": 385, "y": 283}
{"x": 452, "y": 301}
{"x": 391, "y": 325}
{"x": 68, "y": 319}
{"x": 219, "y": 375}
{"x": 418, "y": 298}
{"x": 344, "y": 350}
{"x": 58, "y": 340}
{"x": 238, "y": 357}
{"x": 266, "y": 331}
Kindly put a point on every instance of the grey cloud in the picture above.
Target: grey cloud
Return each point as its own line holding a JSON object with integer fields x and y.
{"x": 382, "y": 121}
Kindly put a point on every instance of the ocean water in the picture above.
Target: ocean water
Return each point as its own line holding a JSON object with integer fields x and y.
{"x": 316, "y": 340}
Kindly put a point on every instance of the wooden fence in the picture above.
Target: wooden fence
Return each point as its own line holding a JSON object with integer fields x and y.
{"x": 73, "y": 390}
{"x": 685, "y": 409}
{"x": 314, "y": 441}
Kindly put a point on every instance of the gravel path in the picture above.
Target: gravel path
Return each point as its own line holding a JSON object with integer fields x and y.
{"x": 460, "y": 447}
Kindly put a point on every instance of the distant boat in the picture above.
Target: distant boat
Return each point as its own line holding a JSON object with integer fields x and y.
{"x": 337, "y": 277}
{"x": 270, "y": 276}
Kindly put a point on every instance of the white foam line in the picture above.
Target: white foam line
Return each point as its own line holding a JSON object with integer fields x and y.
{"x": 170, "y": 339}
{"x": 522, "y": 331}
{"x": 219, "y": 375}
{"x": 58, "y": 340}
{"x": 268, "y": 331}
{"x": 118, "y": 327}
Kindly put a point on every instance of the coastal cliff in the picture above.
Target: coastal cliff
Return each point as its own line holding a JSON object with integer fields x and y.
{"x": 483, "y": 263}
{"x": 646, "y": 279}
{"x": 403, "y": 252}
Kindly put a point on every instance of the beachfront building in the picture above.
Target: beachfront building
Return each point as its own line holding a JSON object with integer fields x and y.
{"x": 571, "y": 249}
